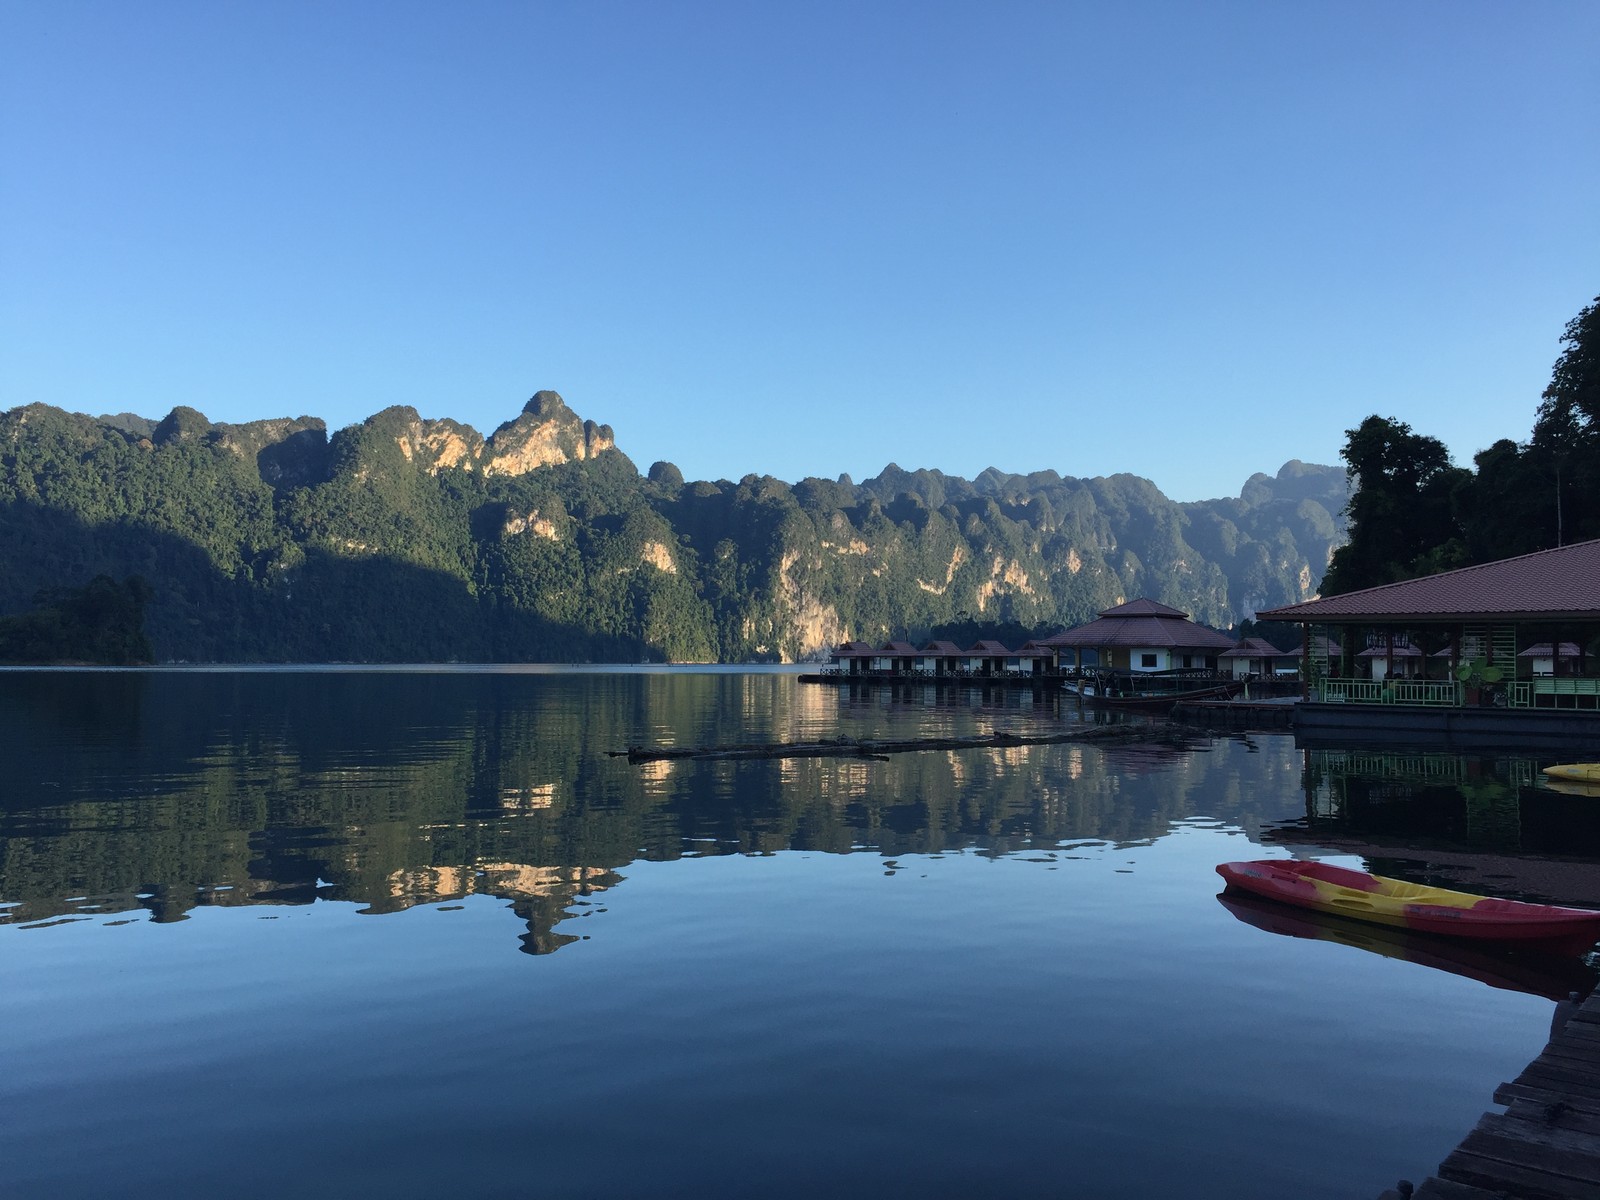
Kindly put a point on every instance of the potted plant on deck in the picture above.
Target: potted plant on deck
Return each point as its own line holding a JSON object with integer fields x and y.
{"x": 1478, "y": 678}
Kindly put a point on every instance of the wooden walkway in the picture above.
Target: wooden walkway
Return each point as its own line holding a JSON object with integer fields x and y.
{"x": 1235, "y": 714}
{"x": 1546, "y": 1145}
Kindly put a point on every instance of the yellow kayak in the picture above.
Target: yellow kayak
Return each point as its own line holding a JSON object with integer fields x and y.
{"x": 1575, "y": 772}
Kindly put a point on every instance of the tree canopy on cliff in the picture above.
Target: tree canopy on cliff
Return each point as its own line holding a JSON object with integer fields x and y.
{"x": 1413, "y": 513}
{"x": 401, "y": 539}
{"x": 100, "y": 623}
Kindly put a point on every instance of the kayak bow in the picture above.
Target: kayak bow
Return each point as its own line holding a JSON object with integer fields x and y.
{"x": 1376, "y": 898}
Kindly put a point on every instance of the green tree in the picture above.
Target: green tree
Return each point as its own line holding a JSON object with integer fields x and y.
{"x": 1567, "y": 430}
{"x": 100, "y": 623}
{"x": 1401, "y": 520}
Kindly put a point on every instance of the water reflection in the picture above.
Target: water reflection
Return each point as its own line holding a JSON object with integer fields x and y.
{"x": 169, "y": 791}
{"x": 1551, "y": 976}
{"x": 162, "y": 792}
{"x": 1485, "y": 823}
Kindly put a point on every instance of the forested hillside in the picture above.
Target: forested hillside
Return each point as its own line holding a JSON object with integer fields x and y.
{"x": 403, "y": 539}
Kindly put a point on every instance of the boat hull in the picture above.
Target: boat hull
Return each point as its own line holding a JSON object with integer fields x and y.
{"x": 1322, "y": 887}
{"x": 1155, "y": 701}
{"x": 1575, "y": 772}
{"x": 1512, "y": 968}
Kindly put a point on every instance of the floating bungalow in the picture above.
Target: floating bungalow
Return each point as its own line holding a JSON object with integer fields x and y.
{"x": 1506, "y": 651}
{"x": 1142, "y": 636}
{"x": 982, "y": 661}
{"x": 1256, "y": 657}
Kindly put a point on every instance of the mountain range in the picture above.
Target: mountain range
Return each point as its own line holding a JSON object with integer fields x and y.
{"x": 404, "y": 539}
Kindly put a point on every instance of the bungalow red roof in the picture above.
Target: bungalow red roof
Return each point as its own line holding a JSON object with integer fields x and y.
{"x": 1255, "y": 647}
{"x": 1143, "y": 623}
{"x": 989, "y": 649}
{"x": 1143, "y": 607}
{"x": 1543, "y": 650}
{"x": 1548, "y": 584}
{"x": 853, "y": 650}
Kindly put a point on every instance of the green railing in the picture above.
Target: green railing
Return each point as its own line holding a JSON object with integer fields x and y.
{"x": 1438, "y": 692}
{"x": 1564, "y": 692}
{"x": 1582, "y": 693}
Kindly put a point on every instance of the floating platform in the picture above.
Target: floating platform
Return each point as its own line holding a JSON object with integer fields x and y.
{"x": 1572, "y": 732}
{"x": 1039, "y": 682}
{"x": 1235, "y": 714}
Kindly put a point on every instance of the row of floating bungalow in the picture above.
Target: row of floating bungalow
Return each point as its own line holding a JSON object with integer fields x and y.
{"x": 1505, "y": 653}
{"x": 1140, "y": 637}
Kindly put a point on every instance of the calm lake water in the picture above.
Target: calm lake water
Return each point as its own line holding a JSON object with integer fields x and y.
{"x": 413, "y": 933}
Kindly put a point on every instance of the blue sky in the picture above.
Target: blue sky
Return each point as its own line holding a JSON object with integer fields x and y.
{"x": 1185, "y": 240}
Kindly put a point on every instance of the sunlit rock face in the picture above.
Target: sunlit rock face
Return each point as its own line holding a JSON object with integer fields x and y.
{"x": 439, "y": 445}
{"x": 547, "y": 433}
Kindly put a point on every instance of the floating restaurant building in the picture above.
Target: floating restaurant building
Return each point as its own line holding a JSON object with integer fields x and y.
{"x": 1143, "y": 636}
{"x": 1507, "y": 651}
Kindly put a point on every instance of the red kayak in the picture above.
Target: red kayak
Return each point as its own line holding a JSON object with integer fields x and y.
{"x": 1384, "y": 901}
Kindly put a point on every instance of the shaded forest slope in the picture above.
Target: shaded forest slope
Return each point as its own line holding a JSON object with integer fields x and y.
{"x": 403, "y": 539}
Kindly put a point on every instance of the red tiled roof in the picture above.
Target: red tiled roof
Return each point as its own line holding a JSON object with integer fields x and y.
{"x": 1143, "y": 607}
{"x": 853, "y": 650}
{"x": 1564, "y": 582}
{"x": 898, "y": 648}
{"x": 1254, "y": 648}
{"x": 1543, "y": 650}
{"x": 1157, "y": 629}
{"x": 945, "y": 648}
{"x": 989, "y": 649}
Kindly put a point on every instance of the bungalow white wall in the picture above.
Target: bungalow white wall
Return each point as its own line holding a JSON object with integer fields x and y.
{"x": 1404, "y": 668}
{"x": 1149, "y": 658}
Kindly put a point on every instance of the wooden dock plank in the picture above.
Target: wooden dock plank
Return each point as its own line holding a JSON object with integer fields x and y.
{"x": 1573, "y": 1082}
{"x": 1445, "y": 1189}
{"x": 1570, "y": 1157}
{"x": 1546, "y": 1145}
{"x": 1513, "y": 1179}
{"x": 1556, "y": 1133}
{"x": 1568, "y": 1117}
{"x": 1507, "y": 1092}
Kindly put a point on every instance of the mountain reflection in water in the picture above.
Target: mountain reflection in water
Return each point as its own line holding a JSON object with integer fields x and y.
{"x": 169, "y": 790}
{"x": 977, "y": 972}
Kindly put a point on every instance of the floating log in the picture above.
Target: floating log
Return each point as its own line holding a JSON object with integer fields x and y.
{"x": 844, "y": 747}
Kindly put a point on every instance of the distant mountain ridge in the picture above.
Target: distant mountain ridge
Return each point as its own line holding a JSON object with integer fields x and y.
{"x": 404, "y": 539}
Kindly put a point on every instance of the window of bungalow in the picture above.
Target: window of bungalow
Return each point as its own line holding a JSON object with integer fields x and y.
{"x": 1147, "y": 660}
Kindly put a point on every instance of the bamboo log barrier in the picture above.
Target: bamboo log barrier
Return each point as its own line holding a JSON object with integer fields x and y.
{"x": 844, "y": 747}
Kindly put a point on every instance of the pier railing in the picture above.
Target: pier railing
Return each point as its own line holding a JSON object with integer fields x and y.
{"x": 1576, "y": 692}
{"x": 1439, "y": 692}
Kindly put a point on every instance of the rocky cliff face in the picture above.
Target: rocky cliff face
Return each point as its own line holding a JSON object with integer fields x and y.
{"x": 545, "y": 434}
{"x": 409, "y": 539}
